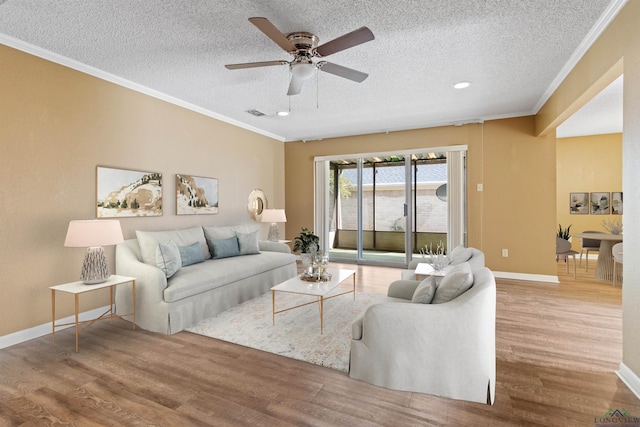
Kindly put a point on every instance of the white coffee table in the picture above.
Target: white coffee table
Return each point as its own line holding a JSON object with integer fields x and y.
{"x": 320, "y": 290}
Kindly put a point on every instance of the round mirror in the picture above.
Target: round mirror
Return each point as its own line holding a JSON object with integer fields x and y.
{"x": 257, "y": 204}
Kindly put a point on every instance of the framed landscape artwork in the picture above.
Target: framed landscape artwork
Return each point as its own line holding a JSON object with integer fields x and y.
{"x": 196, "y": 195}
{"x": 616, "y": 203}
{"x": 126, "y": 193}
{"x": 579, "y": 203}
{"x": 600, "y": 204}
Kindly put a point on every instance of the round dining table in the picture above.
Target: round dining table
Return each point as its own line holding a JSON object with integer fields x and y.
{"x": 604, "y": 268}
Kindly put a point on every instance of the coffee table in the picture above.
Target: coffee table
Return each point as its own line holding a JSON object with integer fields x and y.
{"x": 320, "y": 290}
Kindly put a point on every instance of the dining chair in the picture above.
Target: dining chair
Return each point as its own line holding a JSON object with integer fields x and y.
{"x": 563, "y": 250}
{"x": 616, "y": 251}
{"x": 592, "y": 245}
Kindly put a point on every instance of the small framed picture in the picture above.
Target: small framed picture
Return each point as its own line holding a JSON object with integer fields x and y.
{"x": 123, "y": 192}
{"x": 579, "y": 203}
{"x": 600, "y": 204}
{"x": 196, "y": 195}
{"x": 616, "y": 203}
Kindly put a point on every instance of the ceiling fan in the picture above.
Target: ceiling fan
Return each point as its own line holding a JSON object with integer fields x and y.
{"x": 306, "y": 52}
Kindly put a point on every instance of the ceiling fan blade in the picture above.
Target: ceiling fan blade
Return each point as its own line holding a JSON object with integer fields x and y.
{"x": 340, "y": 71}
{"x": 354, "y": 38}
{"x": 295, "y": 86}
{"x": 273, "y": 33}
{"x": 254, "y": 64}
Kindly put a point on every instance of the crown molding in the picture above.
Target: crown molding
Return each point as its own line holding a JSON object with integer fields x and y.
{"x": 598, "y": 28}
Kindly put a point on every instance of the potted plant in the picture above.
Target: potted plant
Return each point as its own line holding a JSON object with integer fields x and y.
{"x": 564, "y": 233}
{"x": 305, "y": 239}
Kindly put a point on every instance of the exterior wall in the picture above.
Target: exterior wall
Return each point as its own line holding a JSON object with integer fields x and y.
{"x": 587, "y": 164}
{"x": 56, "y": 125}
{"x": 432, "y": 212}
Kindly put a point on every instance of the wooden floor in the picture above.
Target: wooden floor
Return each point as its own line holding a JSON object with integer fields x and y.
{"x": 558, "y": 347}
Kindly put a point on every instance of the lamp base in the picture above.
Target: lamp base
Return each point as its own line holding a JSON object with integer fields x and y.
{"x": 95, "y": 268}
{"x": 274, "y": 232}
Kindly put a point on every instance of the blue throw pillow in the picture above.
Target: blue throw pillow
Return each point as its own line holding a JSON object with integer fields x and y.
{"x": 191, "y": 254}
{"x": 224, "y": 248}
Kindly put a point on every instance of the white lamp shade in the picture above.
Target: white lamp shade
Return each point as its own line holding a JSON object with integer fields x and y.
{"x": 273, "y": 215}
{"x": 92, "y": 233}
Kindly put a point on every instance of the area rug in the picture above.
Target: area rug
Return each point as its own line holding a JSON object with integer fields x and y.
{"x": 296, "y": 333}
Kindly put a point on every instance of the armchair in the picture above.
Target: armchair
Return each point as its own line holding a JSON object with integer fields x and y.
{"x": 446, "y": 349}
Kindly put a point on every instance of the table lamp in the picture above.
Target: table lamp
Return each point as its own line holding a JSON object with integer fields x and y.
{"x": 93, "y": 235}
{"x": 273, "y": 216}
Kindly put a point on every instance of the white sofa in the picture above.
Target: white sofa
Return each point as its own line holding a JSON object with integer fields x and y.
{"x": 446, "y": 349}
{"x": 200, "y": 290}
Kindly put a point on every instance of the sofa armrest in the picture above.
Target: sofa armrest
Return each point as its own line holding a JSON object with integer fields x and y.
{"x": 265, "y": 245}
{"x": 403, "y": 289}
{"x": 150, "y": 280}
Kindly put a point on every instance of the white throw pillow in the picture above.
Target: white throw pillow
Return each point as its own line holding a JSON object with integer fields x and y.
{"x": 248, "y": 243}
{"x": 460, "y": 254}
{"x": 168, "y": 259}
{"x": 456, "y": 281}
{"x": 425, "y": 291}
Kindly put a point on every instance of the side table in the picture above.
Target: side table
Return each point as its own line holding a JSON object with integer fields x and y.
{"x": 77, "y": 288}
{"x": 425, "y": 269}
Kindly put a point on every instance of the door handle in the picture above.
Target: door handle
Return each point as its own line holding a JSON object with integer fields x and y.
{"x": 406, "y": 208}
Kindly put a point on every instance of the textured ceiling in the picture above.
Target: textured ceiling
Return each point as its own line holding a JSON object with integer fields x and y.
{"x": 513, "y": 52}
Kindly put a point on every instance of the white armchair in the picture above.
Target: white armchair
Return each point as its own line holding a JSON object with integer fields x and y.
{"x": 446, "y": 349}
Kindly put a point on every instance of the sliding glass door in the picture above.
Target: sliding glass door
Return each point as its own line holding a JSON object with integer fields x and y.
{"x": 383, "y": 208}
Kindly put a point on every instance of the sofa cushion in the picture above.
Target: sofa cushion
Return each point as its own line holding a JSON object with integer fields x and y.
{"x": 149, "y": 240}
{"x": 214, "y": 273}
{"x": 225, "y": 232}
{"x": 425, "y": 291}
{"x": 191, "y": 254}
{"x": 218, "y": 233}
{"x": 456, "y": 281}
{"x": 248, "y": 242}
{"x": 224, "y": 248}
{"x": 168, "y": 258}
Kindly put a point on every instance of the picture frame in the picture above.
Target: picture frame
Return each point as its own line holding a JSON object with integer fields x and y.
{"x": 196, "y": 195}
{"x": 600, "y": 203}
{"x": 616, "y": 203}
{"x": 127, "y": 193}
{"x": 579, "y": 203}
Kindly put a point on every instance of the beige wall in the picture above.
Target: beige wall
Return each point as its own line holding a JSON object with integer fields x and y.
{"x": 587, "y": 164}
{"x": 616, "y": 50}
{"x": 56, "y": 125}
{"x": 503, "y": 155}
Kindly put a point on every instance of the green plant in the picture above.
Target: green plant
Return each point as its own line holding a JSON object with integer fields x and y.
{"x": 564, "y": 234}
{"x": 305, "y": 239}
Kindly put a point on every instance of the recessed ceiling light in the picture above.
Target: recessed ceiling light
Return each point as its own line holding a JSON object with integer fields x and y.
{"x": 283, "y": 113}
{"x": 461, "y": 85}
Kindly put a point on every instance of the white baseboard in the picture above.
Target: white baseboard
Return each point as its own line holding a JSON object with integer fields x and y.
{"x": 525, "y": 276}
{"x": 45, "y": 329}
{"x": 630, "y": 379}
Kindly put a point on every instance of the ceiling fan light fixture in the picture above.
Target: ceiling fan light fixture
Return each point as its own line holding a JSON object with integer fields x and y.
{"x": 283, "y": 113}
{"x": 303, "y": 70}
{"x": 462, "y": 85}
